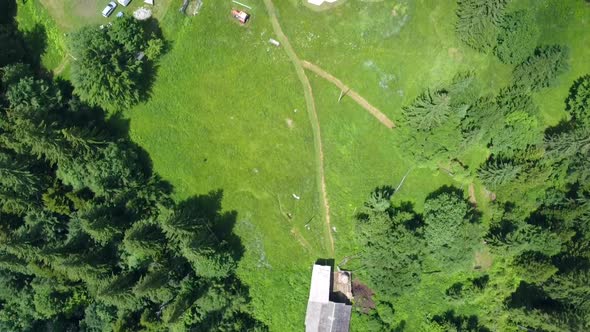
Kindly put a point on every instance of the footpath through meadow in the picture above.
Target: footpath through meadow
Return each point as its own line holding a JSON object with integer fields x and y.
{"x": 313, "y": 119}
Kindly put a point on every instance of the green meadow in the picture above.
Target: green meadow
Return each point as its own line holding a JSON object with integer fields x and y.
{"x": 227, "y": 112}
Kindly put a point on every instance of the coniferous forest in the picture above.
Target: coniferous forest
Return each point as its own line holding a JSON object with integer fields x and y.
{"x": 89, "y": 236}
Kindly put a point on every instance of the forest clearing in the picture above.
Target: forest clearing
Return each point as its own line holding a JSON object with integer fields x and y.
{"x": 437, "y": 154}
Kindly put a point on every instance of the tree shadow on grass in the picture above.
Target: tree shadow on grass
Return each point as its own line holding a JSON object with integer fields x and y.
{"x": 561, "y": 127}
{"x": 529, "y": 297}
{"x": 214, "y": 229}
{"x": 36, "y": 45}
{"x": 206, "y": 211}
{"x": 24, "y": 46}
{"x": 460, "y": 322}
{"x": 573, "y": 102}
{"x": 474, "y": 216}
{"x": 452, "y": 190}
{"x": 414, "y": 224}
{"x": 150, "y": 67}
{"x": 11, "y": 39}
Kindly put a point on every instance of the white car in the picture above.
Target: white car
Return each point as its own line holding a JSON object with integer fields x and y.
{"x": 124, "y": 2}
{"x": 109, "y": 9}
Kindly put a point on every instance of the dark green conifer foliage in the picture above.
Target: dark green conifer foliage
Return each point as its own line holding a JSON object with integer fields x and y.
{"x": 449, "y": 232}
{"x": 578, "y": 103}
{"x": 108, "y": 71}
{"x": 542, "y": 69}
{"x": 90, "y": 239}
{"x": 517, "y": 37}
{"x": 478, "y": 22}
{"x": 498, "y": 173}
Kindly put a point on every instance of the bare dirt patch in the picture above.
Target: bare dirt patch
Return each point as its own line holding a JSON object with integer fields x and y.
{"x": 290, "y": 123}
{"x": 86, "y": 8}
{"x": 489, "y": 194}
{"x": 62, "y": 11}
{"x": 363, "y": 296}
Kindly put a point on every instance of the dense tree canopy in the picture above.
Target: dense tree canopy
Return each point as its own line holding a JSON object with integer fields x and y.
{"x": 578, "y": 103}
{"x": 90, "y": 238}
{"x": 517, "y": 37}
{"x": 108, "y": 69}
{"x": 449, "y": 231}
{"x": 434, "y": 119}
{"x": 399, "y": 245}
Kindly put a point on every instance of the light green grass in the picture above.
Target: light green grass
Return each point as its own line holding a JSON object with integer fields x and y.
{"x": 31, "y": 16}
{"x": 218, "y": 119}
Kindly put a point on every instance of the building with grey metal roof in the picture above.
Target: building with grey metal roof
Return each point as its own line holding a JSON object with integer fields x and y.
{"x": 322, "y": 314}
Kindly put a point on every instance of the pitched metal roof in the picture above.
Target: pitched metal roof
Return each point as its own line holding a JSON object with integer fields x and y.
{"x": 323, "y": 315}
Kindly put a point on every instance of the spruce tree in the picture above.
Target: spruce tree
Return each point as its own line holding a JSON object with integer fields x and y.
{"x": 542, "y": 68}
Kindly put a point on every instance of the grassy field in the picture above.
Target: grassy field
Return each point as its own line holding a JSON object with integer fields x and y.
{"x": 567, "y": 23}
{"x": 56, "y": 18}
{"x": 227, "y": 112}
{"x": 388, "y": 51}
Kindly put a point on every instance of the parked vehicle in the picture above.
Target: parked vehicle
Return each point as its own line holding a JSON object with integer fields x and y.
{"x": 124, "y": 3}
{"x": 109, "y": 9}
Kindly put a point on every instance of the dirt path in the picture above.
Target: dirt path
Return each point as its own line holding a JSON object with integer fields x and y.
{"x": 472, "y": 198}
{"x": 349, "y": 92}
{"x": 313, "y": 118}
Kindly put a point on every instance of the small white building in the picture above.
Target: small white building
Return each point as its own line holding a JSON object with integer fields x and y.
{"x": 320, "y": 2}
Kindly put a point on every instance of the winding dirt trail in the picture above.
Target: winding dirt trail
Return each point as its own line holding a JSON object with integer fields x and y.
{"x": 313, "y": 118}
{"x": 350, "y": 92}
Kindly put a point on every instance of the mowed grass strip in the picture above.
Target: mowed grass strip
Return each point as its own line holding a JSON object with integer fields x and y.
{"x": 226, "y": 112}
